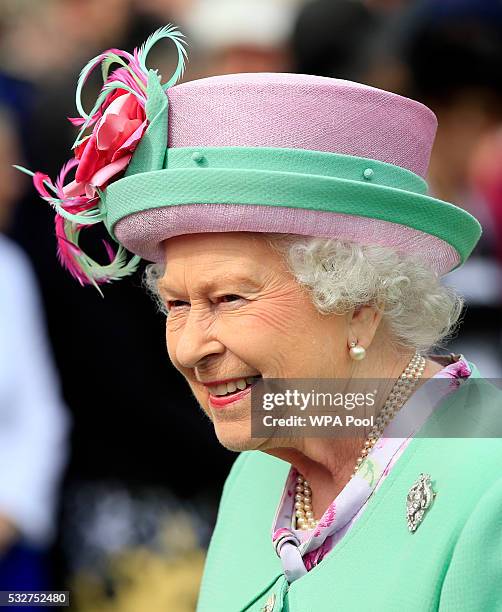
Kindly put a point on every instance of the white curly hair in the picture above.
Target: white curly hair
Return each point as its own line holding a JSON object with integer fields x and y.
{"x": 419, "y": 311}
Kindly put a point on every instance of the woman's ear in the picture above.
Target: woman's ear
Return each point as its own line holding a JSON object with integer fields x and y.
{"x": 363, "y": 324}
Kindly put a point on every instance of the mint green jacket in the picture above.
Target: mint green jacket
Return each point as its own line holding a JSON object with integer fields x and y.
{"x": 451, "y": 563}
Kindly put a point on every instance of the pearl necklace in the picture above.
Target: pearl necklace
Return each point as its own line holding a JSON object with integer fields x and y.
{"x": 399, "y": 394}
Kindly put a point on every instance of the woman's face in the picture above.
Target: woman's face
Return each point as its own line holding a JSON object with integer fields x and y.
{"x": 235, "y": 311}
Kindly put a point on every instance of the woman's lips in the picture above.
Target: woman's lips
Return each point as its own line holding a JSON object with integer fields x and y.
{"x": 219, "y": 401}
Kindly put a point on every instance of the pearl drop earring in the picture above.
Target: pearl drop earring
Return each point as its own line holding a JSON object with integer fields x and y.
{"x": 357, "y": 352}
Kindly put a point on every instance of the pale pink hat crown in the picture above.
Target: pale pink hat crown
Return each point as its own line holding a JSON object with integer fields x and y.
{"x": 302, "y": 111}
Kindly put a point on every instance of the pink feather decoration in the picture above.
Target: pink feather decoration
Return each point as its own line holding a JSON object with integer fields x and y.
{"x": 118, "y": 122}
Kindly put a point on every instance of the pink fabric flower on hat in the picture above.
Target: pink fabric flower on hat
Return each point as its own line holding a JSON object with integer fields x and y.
{"x": 108, "y": 150}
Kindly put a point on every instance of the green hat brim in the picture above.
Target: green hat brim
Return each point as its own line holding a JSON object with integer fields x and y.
{"x": 292, "y": 178}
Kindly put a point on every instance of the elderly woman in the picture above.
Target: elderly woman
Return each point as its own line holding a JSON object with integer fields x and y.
{"x": 291, "y": 237}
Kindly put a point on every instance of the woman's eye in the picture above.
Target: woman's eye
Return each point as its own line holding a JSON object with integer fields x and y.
{"x": 231, "y": 297}
{"x": 174, "y": 303}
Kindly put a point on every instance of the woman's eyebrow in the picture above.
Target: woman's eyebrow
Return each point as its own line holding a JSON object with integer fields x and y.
{"x": 210, "y": 284}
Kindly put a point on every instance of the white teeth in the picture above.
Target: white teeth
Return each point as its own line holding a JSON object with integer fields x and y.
{"x": 219, "y": 389}
{"x": 230, "y": 387}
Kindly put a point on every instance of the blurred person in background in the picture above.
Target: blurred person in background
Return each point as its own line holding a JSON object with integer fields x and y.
{"x": 485, "y": 174}
{"x": 243, "y": 36}
{"x": 41, "y": 40}
{"x": 330, "y": 38}
{"x": 162, "y": 11}
{"x": 34, "y": 422}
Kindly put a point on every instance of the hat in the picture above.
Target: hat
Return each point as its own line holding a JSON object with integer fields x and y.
{"x": 261, "y": 152}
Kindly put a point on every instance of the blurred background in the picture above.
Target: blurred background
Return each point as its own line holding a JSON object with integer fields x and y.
{"x": 96, "y": 495}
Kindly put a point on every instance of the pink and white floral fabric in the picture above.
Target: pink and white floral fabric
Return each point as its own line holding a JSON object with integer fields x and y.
{"x": 299, "y": 550}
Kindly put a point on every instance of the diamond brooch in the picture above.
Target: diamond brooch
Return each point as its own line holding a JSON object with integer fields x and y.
{"x": 418, "y": 500}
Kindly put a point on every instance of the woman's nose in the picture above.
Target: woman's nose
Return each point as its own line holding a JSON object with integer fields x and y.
{"x": 196, "y": 341}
